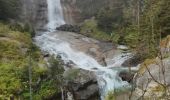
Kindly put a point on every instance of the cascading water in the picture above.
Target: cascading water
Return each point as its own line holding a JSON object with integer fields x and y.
{"x": 107, "y": 78}
{"x": 55, "y": 15}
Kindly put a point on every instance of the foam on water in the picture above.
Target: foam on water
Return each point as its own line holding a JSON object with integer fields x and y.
{"x": 55, "y": 14}
{"x": 107, "y": 78}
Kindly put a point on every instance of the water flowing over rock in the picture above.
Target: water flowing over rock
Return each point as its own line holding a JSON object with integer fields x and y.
{"x": 55, "y": 14}
{"x": 86, "y": 53}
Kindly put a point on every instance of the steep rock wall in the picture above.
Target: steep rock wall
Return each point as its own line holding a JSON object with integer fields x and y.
{"x": 34, "y": 12}
{"x": 75, "y": 11}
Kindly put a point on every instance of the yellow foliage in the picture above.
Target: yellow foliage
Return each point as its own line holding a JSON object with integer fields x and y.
{"x": 158, "y": 88}
{"x": 145, "y": 64}
{"x": 165, "y": 43}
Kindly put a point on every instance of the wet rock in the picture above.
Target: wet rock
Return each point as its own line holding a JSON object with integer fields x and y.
{"x": 126, "y": 76}
{"x": 69, "y": 28}
{"x": 46, "y": 55}
{"x": 133, "y": 61}
{"x": 84, "y": 86}
{"x": 70, "y": 64}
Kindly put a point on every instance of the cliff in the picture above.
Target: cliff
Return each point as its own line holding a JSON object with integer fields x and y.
{"x": 75, "y": 11}
{"x": 34, "y": 12}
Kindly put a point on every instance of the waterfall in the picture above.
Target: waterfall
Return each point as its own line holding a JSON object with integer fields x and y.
{"x": 52, "y": 43}
{"x": 55, "y": 14}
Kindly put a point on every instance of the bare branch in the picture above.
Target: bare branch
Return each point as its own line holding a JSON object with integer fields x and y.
{"x": 153, "y": 77}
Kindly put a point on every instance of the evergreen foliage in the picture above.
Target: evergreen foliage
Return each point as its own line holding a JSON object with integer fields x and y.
{"x": 9, "y": 9}
{"x": 137, "y": 23}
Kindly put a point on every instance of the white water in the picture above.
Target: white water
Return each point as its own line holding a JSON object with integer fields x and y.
{"x": 108, "y": 78}
{"x": 55, "y": 14}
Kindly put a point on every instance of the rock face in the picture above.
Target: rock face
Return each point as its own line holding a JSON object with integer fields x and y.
{"x": 84, "y": 86}
{"x": 145, "y": 80}
{"x": 76, "y": 11}
{"x": 34, "y": 12}
{"x": 126, "y": 76}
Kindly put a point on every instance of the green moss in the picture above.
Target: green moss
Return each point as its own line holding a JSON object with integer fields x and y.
{"x": 117, "y": 93}
{"x": 46, "y": 90}
{"x": 110, "y": 96}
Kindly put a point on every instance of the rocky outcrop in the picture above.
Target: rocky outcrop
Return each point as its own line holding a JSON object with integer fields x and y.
{"x": 83, "y": 84}
{"x": 151, "y": 78}
{"x": 69, "y": 28}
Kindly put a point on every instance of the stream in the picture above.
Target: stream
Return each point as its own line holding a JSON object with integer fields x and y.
{"x": 58, "y": 43}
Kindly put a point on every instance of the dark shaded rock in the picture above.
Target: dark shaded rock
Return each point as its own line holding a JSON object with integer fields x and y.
{"x": 132, "y": 62}
{"x": 70, "y": 64}
{"x": 126, "y": 76}
{"x": 53, "y": 97}
{"x": 46, "y": 55}
{"x": 95, "y": 68}
{"x": 69, "y": 28}
{"x": 90, "y": 93}
{"x": 84, "y": 86}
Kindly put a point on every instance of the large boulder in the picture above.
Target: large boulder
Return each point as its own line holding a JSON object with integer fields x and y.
{"x": 82, "y": 84}
{"x": 151, "y": 76}
{"x": 126, "y": 76}
{"x": 69, "y": 28}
